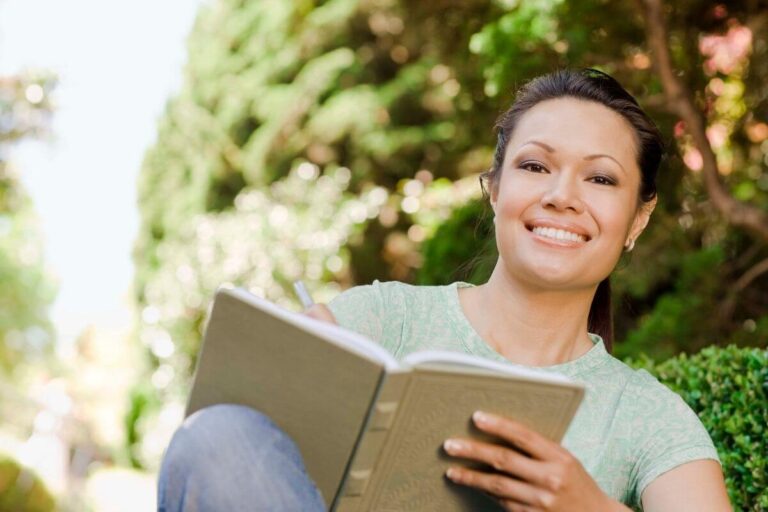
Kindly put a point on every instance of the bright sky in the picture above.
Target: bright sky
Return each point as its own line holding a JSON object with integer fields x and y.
{"x": 117, "y": 62}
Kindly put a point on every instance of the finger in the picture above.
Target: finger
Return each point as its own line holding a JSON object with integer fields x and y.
{"x": 516, "y": 506}
{"x": 501, "y": 486}
{"x": 500, "y": 458}
{"x": 320, "y": 312}
{"x": 521, "y": 436}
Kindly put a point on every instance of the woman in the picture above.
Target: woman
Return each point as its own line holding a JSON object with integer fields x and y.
{"x": 571, "y": 187}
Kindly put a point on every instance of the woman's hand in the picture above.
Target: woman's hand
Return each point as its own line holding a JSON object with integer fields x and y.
{"x": 549, "y": 478}
{"x": 321, "y": 312}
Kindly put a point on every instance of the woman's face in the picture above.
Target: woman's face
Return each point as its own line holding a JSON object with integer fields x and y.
{"x": 567, "y": 198}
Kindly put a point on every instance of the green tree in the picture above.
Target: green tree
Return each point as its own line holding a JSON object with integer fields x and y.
{"x": 340, "y": 141}
{"x": 26, "y": 291}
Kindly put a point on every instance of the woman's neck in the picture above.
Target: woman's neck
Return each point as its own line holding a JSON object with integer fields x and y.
{"x": 528, "y": 326}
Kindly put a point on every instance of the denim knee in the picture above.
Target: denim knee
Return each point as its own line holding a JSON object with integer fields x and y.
{"x": 226, "y": 457}
{"x": 218, "y": 429}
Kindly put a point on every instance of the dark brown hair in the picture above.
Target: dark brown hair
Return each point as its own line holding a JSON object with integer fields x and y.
{"x": 596, "y": 86}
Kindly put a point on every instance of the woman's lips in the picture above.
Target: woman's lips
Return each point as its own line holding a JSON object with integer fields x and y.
{"x": 561, "y": 235}
{"x": 558, "y": 230}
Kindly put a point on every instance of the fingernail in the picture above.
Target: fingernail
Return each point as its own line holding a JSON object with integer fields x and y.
{"x": 452, "y": 445}
{"x": 481, "y": 417}
{"x": 452, "y": 473}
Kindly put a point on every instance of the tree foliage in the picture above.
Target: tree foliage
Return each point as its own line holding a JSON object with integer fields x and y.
{"x": 26, "y": 291}
{"x": 340, "y": 141}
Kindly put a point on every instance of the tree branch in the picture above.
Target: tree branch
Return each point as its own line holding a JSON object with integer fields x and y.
{"x": 680, "y": 101}
{"x": 729, "y": 304}
{"x": 750, "y": 275}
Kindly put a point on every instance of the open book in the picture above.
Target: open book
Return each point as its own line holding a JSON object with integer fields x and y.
{"x": 370, "y": 428}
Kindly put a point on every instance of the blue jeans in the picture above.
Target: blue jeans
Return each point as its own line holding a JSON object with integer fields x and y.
{"x": 231, "y": 457}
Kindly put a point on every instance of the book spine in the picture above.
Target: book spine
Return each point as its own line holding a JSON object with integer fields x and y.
{"x": 373, "y": 440}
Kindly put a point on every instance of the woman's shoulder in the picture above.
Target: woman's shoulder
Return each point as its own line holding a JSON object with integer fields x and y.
{"x": 644, "y": 388}
{"x": 656, "y": 415}
{"x": 384, "y": 310}
{"x": 637, "y": 394}
{"x": 393, "y": 294}
{"x": 640, "y": 387}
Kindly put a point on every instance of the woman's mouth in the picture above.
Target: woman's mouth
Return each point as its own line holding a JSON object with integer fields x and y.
{"x": 557, "y": 234}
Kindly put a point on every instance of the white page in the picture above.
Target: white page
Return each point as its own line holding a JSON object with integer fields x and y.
{"x": 468, "y": 360}
{"x": 332, "y": 333}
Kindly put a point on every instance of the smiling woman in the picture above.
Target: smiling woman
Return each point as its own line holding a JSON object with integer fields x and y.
{"x": 566, "y": 210}
{"x": 572, "y": 186}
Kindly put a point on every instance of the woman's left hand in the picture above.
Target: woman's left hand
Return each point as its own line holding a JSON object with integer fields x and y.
{"x": 548, "y": 478}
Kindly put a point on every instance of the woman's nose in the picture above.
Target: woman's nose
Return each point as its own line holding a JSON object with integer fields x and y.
{"x": 563, "y": 194}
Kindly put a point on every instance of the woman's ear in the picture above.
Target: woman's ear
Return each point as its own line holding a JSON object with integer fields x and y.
{"x": 642, "y": 217}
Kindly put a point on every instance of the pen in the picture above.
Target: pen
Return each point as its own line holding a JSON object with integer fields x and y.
{"x": 303, "y": 294}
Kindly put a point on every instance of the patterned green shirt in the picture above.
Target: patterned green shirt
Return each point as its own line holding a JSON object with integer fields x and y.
{"x": 629, "y": 429}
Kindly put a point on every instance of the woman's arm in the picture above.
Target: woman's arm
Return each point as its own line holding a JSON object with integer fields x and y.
{"x": 695, "y": 486}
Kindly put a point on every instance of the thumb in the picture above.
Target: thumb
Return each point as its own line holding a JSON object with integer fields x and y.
{"x": 321, "y": 312}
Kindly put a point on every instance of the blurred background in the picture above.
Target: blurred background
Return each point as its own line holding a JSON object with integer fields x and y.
{"x": 152, "y": 151}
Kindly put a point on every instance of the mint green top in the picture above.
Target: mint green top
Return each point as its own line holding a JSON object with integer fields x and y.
{"x": 629, "y": 429}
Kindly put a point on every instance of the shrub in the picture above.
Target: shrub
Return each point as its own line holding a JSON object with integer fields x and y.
{"x": 728, "y": 388}
{"x": 462, "y": 248}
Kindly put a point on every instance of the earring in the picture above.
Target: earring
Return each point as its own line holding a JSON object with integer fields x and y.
{"x": 630, "y": 245}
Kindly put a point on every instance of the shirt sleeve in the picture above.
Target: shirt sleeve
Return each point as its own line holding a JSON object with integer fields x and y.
{"x": 667, "y": 431}
{"x": 372, "y": 310}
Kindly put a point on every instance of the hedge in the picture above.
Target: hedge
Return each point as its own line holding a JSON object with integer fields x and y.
{"x": 728, "y": 389}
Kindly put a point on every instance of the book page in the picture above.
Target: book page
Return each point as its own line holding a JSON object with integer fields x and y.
{"x": 445, "y": 358}
{"x": 332, "y": 333}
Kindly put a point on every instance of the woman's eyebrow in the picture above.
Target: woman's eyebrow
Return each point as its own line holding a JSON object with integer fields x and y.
{"x": 550, "y": 149}
{"x": 592, "y": 157}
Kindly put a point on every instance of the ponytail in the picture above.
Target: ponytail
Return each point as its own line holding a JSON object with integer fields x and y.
{"x": 600, "y": 319}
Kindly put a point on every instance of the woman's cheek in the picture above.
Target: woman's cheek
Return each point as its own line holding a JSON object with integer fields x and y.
{"x": 515, "y": 196}
{"x": 613, "y": 222}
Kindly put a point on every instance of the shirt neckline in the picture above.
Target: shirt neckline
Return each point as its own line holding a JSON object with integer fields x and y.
{"x": 474, "y": 344}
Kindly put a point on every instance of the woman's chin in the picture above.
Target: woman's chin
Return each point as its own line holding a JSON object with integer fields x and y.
{"x": 557, "y": 277}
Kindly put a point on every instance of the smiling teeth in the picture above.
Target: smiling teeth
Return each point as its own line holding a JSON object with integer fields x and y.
{"x": 559, "y": 234}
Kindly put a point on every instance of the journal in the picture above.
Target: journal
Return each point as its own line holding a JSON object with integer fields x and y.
{"x": 369, "y": 427}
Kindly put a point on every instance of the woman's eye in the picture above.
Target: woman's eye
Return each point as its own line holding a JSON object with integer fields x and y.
{"x": 603, "y": 180}
{"x": 533, "y": 167}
